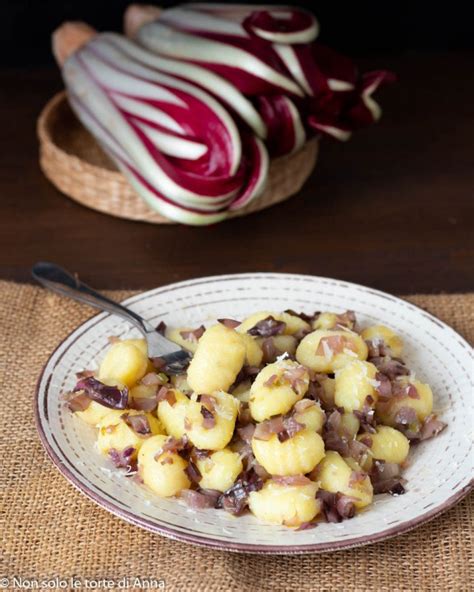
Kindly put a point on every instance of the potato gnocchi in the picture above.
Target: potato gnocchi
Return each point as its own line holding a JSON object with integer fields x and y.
{"x": 293, "y": 417}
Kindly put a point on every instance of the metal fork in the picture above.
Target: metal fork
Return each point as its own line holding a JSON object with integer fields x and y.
{"x": 57, "y": 279}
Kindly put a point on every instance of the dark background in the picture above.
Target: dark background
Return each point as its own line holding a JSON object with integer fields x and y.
{"x": 392, "y": 208}
{"x": 357, "y": 27}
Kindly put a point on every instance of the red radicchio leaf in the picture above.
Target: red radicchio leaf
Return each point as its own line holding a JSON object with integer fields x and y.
{"x": 138, "y": 423}
{"x": 173, "y": 445}
{"x": 391, "y": 367}
{"x": 161, "y": 328}
{"x": 235, "y": 499}
{"x": 193, "y": 336}
{"x": 166, "y": 394}
{"x": 406, "y": 416}
{"x": 366, "y": 415}
{"x": 152, "y": 379}
{"x": 384, "y": 386}
{"x": 291, "y": 480}
{"x": 229, "y": 323}
{"x": 198, "y": 500}
{"x": 246, "y": 433}
{"x": 209, "y": 420}
{"x": 84, "y": 374}
{"x": 346, "y": 319}
{"x": 336, "y": 507}
{"x": 266, "y": 429}
{"x": 412, "y": 392}
{"x": 377, "y": 348}
{"x": 385, "y": 478}
{"x": 193, "y": 472}
{"x": 122, "y": 458}
{"x": 269, "y": 350}
{"x": 303, "y": 316}
{"x": 431, "y": 427}
{"x": 267, "y": 328}
{"x": 297, "y": 377}
{"x": 147, "y": 404}
{"x": 335, "y": 344}
{"x": 271, "y": 381}
{"x": 79, "y": 402}
{"x": 108, "y": 396}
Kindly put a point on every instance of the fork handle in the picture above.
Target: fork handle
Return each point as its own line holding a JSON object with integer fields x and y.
{"x": 62, "y": 282}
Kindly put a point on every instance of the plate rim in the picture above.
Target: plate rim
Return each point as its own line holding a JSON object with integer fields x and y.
{"x": 236, "y": 547}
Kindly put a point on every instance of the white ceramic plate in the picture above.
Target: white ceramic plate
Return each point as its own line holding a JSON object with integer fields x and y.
{"x": 440, "y": 470}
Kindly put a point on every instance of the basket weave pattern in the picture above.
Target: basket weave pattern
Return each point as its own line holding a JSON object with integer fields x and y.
{"x": 72, "y": 160}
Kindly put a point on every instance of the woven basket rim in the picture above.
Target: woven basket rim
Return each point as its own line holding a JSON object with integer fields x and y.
{"x": 108, "y": 191}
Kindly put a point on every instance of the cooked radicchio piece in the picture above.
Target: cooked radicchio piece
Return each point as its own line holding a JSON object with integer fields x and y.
{"x": 235, "y": 499}
{"x": 336, "y": 507}
{"x": 166, "y": 394}
{"x": 200, "y": 499}
{"x": 78, "y": 401}
{"x": 229, "y": 323}
{"x": 122, "y": 459}
{"x": 138, "y": 423}
{"x": 337, "y": 438}
{"x": 346, "y": 319}
{"x": 193, "y": 335}
{"x": 161, "y": 328}
{"x": 193, "y": 472}
{"x": 386, "y": 478}
{"x": 108, "y": 396}
{"x": 267, "y": 327}
{"x": 284, "y": 426}
{"x": 303, "y": 316}
{"x": 391, "y": 367}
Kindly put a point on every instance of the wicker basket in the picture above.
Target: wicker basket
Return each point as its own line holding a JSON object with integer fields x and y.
{"x": 77, "y": 166}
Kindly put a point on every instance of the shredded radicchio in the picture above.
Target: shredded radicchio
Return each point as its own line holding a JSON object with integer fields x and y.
{"x": 122, "y": 458}
{"x": 366, "y": 415}
{"x": 193, "y": 335}
{"x": 229, "y": 323}
{"x": 336, "y": 507}
{"x": 235, "y": 499}
{"x": 346, "y": 319}
{"x": 78, "y": 402}
{"x": 201, "y": 499}
{"x": 337, "y": 438}
{"x": 303, "y": 316}
{"x": 193, "y": 472}
{"x": 391, "y": 367}
{"x": 138, "y": 423}
{"x": 267, "y": 327}
{"x": 161, "y": 328}
{"x": 166, "y": 394}
{"x": 108, "y": 396}
{"x": 386, "y": 478}
{"x": 285, "y": 427}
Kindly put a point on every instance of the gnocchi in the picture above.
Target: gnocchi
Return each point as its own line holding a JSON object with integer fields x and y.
{"x": 328, "y": 351}
{"x": 381, "y": 333}
{"x": 277, "y": 388}
{"x": 219, "y": 470}
{"x": 164, "y": 472}
{"x": 336, "y": 475}
{"x": 300, "y": 417}
{"x": 286, "y": 504}
{"x": 297, "y": 455}
{"x": 355, "y": 386}
{"x": 218, "y": 359}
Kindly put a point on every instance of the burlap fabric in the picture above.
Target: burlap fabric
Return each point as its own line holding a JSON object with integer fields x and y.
{"x": 49, "y": 529}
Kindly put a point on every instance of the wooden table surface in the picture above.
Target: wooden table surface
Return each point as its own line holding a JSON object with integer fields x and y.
{"x": 391, "y": 209}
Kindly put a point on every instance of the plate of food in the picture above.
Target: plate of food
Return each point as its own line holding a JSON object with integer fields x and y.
{"x": 314, "y": 415}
